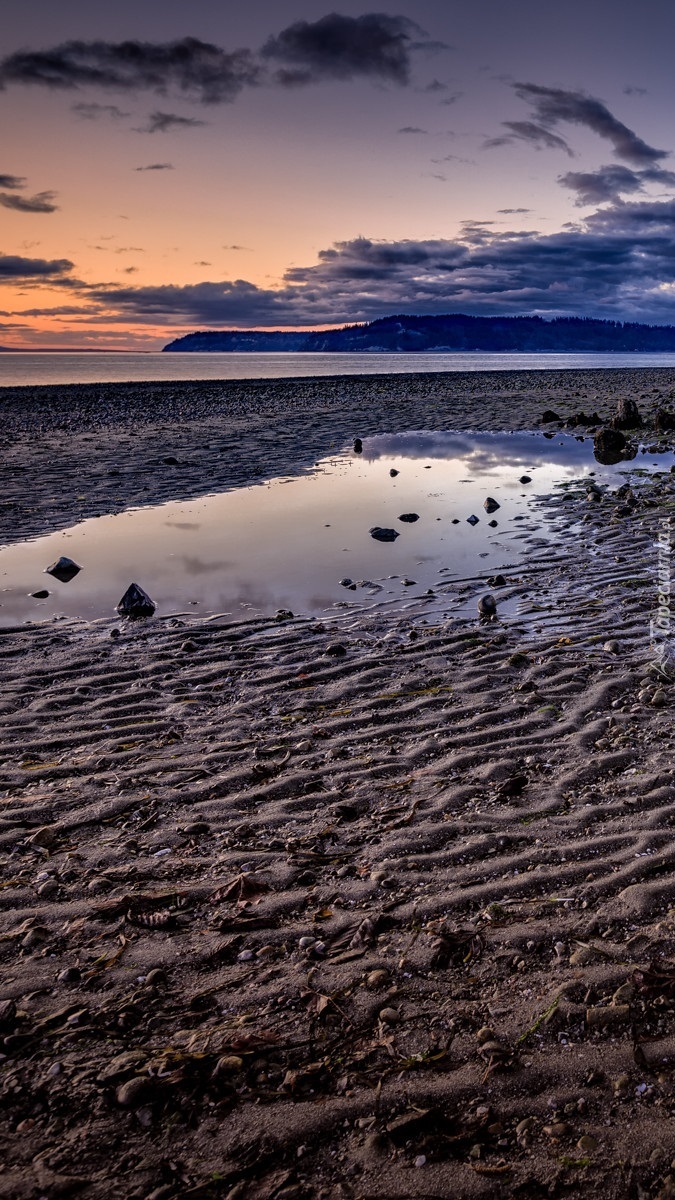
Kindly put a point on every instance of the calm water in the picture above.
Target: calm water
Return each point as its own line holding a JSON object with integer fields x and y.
{"x": 288, "y": 543}
{"x": 30, "y": 369}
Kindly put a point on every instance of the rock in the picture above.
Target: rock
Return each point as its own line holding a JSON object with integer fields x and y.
{"x": 627, "y": 415}
{"x": 283, "y": 614}
{"x": 358, "y": 446}
{"x": 487, "y": 607}
{"x": 409, "y": 517}
{"x": 348, "y": 583}
{"x": 156, "y": 977}
{"x": 229, "y": 1064}
{"x": 46, "y": 838}
{"x": 658, "y": 699}
{"x": 491, "y": 505}
{"x": 335, "y": 650}
{"x": 126, "y": 1063}
{"x": 525, "y": 479}
{"x": 377, "y": 979}
{"x": 383, "y": 535}
{"x": 7, "y": 1014}
{"x": 549, "y": 415}
{"x": 609, "y": 446}
{"x": 393, "y": 472}
{"x": 496, "y": 581}
{"x": 405, "y": 582}
{"x": 607, "y": 1018}
{"x": 390, "y": 1016}
{"x": 612, "y": 647}
{"x": 135, "y": 1092}
{"x": 64, "y": 569}
{"x": 136, "y": 603}
{"x": 472, "y": 520}
{"x": 663, "y": 421}
{"x": 69, "y": 975}
{"x": 493, "y": 524}
{"x": 41, "y": 595}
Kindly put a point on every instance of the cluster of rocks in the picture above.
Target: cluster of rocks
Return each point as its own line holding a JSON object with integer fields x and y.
{"x": 134, "y": 603}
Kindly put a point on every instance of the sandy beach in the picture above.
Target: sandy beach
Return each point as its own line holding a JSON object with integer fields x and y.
{"x": 353, "y": 906}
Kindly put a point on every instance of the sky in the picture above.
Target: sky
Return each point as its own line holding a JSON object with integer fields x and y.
{"x": 282, "y": 164}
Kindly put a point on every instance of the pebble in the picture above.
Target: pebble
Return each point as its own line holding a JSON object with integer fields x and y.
{"x": 156, "y": 977}
{"x": 390, "y": 1016}
{"x": 525, "y": 479}
{"x": 306, "y": 943}
{"x": 135, "y": 1092}
{"x": 587, "y": 1144}
{"x": 377, "y": 979}
{"x": 245, "y": 956}
{"x": 659, "y": 698}
{"x": 69, "y": 975}
{"x": 335, "y": 650}
{"x": 228, "y": 1064}
{"x": 50, "y": 888}
{"x": 472, "y": 520}
{"x": 393, "y": 472}
{"x": 420, "y": 1160}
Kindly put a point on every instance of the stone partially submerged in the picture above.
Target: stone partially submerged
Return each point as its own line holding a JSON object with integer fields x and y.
{"x": 609, "y": 446}
{"x": 64, "y": 569}
{"x": 136, "y": 603}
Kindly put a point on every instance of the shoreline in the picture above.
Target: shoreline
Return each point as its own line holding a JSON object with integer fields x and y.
{"x": 285, "y": 922}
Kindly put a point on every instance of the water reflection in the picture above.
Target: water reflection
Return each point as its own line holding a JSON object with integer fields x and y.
{"x": 281, "y": 546}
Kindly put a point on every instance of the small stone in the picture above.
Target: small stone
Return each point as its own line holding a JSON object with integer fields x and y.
{"x": 306, "y": 943}
{"x": 485, "y": 1034}
{"x": 491, "y": 505}
{"x": 283, "y": 614}
{"x": 472, "y": 520}
{"x": 69, "y": 975}
{"x": 135, "y": 1092}
{"x": 48, "y": 889}
{"x": 496, "y": 581}
{"x": 487, "y": 607}
{"x": 348, "y": 583}
{"x": 525, "y": 1125}
{"x": 156, "y": 977}
{"x": 35, "y": 937}
{"x": 587, "y": 1144}
{"x": 393, "y": 472}
{"x": 377, "y": 979}
{"x": 612, "y": 647}
{"x": 45, "y": 838}
{"x": 358, "y": 446}
{"x": 136, "y": 603}
{"x": 229, "y": 1064}
{"x": 420, "y": 1160}
{"x": 64, "y": 569}
{"x": 41, "y": 595}
{"x": 549, "y": 415}
{"x": 390, "y": 1016}
{"x": 658, "y": 699}
{"x": 245, "y": 956}
{"x": 335, "y": 650}
{"x": 382, "y": 534}
{"x": 525, "y": 479}
{"x": 410, "y": 518}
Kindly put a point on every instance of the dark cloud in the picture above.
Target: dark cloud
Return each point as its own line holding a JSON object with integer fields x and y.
{"x": 13, "y": 266}
{"x": 337, "y": 47}
{"x": 411, "y": 129}
{"x": 553, "y": 106}
{"x": 612, "y": 181}
{"x": 156, "y": 167}
{"x": 618, "y": 263}
{"x": 508, "y": 211}
{"x": 161, "y": 122}
{"x": 190, "y": 67}
{"x": 92, "y": 112}
{"x": 12, "y": 181}
{"x": 43, "y": 202}
{"x": 529, "y": 131}
{"x": 452, "y": 99}
{"x": 629, "y": 90}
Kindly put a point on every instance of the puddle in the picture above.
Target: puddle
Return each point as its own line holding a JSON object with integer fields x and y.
{"x": 289, "y": 542}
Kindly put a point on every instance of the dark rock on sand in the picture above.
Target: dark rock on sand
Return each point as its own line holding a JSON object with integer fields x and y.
{"x": 382, "y": 534}
{"x": 336, "y": 650}
{"x": 609, "y": 446}
{"x": 525, "y": 479}
{"x": 348, "y": 583}
{"x": 358, "y": 446}
{"x": 664, "y": 421}
{"x": 487, "y": 607}
{"x": 472, "y": 520}
{"x": 64, "y": 569}
{"x": 496, "y": 581}
{"x": 491, "y": 505}
{"x": 41, "y": 595}
{"x": 409, "y": 517}
{"x": 393, "y": 472}
{"x": 549, "y": 415}
{"x": 136, "y": 603}
{"x": 627, "y": 415}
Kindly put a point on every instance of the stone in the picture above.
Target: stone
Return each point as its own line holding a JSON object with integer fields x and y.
{"x": 627, "y": 415}
{"x": 409, "y": 517}
{"x": 135, "y": 1092}
{"x": 390, "y": 1016}
{"x": 609, "y": 446}
{"x": 393, "y": 472}
{"x": 348, "y": 583}
{"x": 64, "y": 569}
{"x": 525, "y": 479}
{"x": 335, "y": 650}
{"x": 496, "y": 581}
{"x": 491, "y": 505}
{"x": 549, "y": 415}
{"x": 487, "y": 607}
{"x": 136, "y": 603}
{"x": 382, "y": 534}
{"x": 663, "y": 421}
{"x": 472, "y": 520}
{"x": 358, "y": 446}
{"x": 41, "y": 595}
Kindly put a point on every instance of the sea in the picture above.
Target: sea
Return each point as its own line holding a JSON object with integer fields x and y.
{"x": 18, "y": 368}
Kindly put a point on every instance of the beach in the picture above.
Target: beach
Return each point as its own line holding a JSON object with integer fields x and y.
{"x": 365, "y": 906}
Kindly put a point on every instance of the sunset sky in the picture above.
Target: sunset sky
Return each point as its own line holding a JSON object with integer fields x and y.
{"x": 170, "y": 166}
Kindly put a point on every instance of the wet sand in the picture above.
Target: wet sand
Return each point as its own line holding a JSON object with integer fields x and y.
{"x": 372, "y": 907}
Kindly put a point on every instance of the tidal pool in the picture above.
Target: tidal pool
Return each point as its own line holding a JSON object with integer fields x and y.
{"x": 289, "y": 542}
